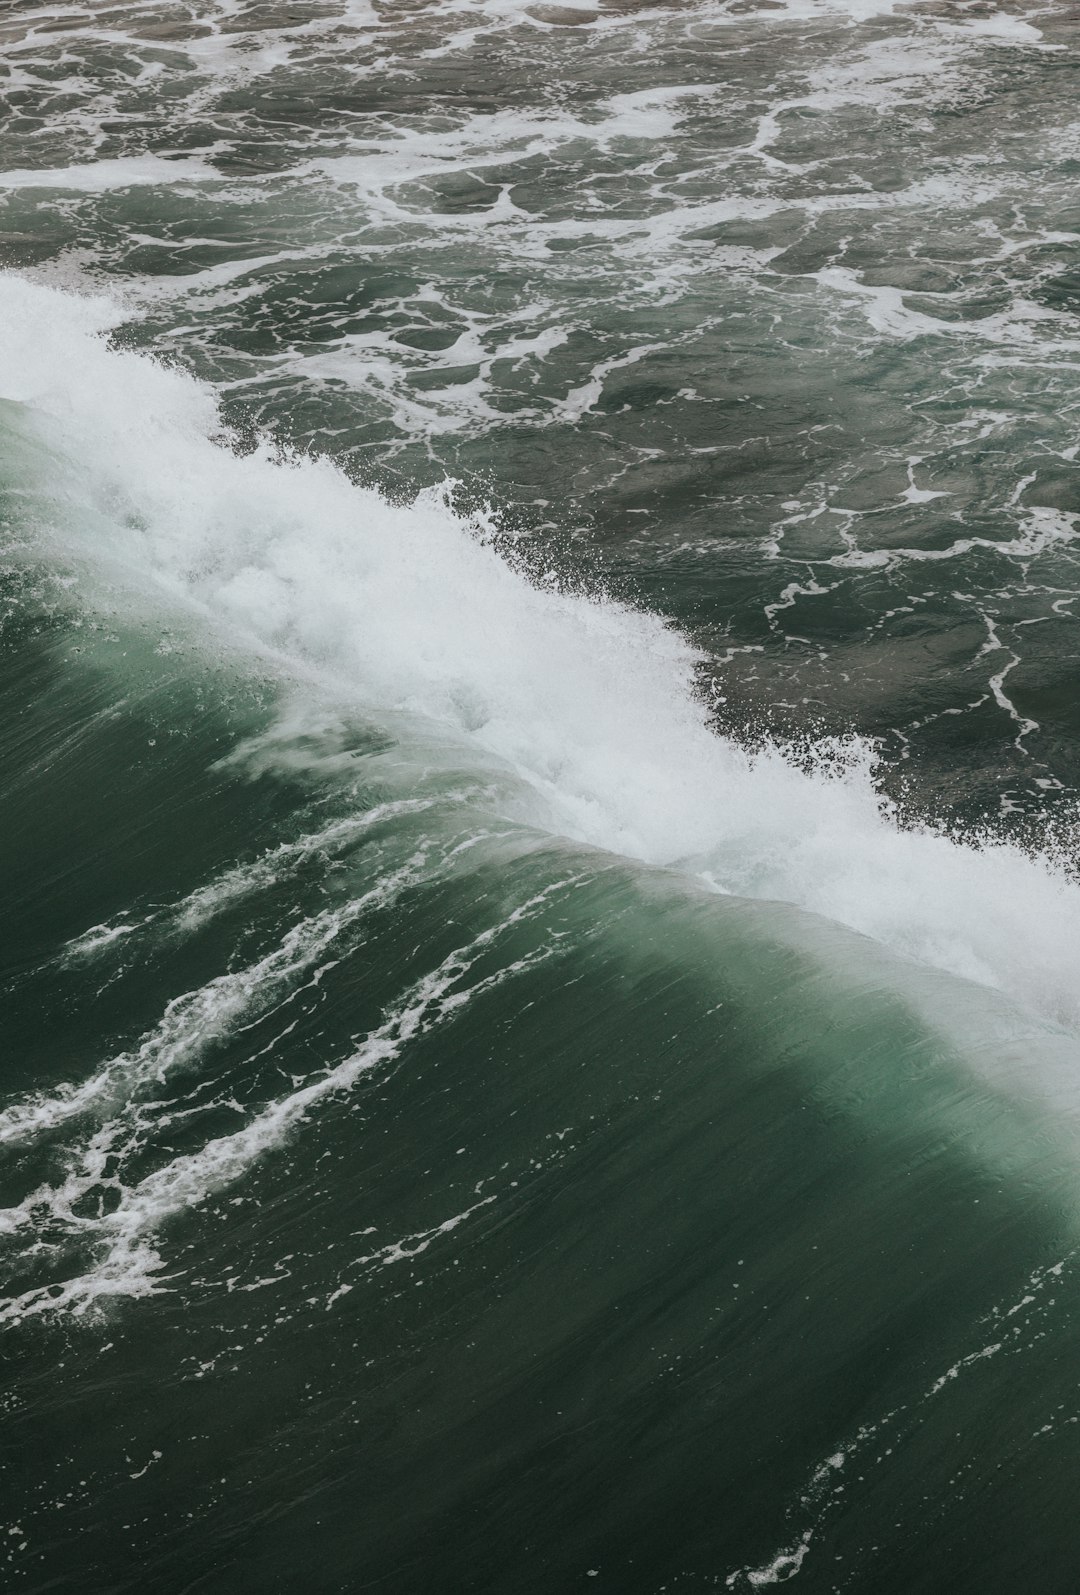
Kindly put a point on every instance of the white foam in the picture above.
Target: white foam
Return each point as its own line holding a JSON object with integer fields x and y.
{"x": 784, "y": 1566}
{"x": 1038, "y": 530}
{"x": 377, "y": 167}
{"x": 589, "y": 704}
{"x": 885, "y": 308}
{"x": 100, "y": 177}
{"x": 235, "y": 885}
{"x": 194, "y": 1021}
{"x": 127, "y": 1263}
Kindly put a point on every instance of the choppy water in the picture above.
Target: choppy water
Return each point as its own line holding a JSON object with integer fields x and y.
{"x": 540, "y": 971}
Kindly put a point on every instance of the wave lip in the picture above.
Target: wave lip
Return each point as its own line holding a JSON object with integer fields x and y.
{"x": 588, "y": 705}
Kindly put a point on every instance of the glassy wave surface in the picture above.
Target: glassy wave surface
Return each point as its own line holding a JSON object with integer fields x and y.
{"x": 540, "y": 971}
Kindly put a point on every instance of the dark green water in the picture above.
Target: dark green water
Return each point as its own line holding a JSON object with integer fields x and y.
{"x": 540, "y": 964}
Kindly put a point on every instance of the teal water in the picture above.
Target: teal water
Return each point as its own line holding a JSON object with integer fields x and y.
{"x": 540, "y": 973}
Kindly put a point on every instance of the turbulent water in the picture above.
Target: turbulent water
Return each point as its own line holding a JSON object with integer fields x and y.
{"x": 539, "y": 752}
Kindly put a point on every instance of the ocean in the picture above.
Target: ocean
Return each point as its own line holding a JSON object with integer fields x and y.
{"x": 539, "y": 754}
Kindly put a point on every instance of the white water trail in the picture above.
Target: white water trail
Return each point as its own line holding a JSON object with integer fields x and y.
{"x": 406, "y": 610}
{"x": 197, "y": 1019}
{"x": 129, "y": 1265}
{"x": 237, "y": 884}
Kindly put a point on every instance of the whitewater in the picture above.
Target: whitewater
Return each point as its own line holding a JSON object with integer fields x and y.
{"x": 408, "y": 610}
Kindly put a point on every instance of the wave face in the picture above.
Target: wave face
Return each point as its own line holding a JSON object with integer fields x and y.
{"x": 541, "y": 953}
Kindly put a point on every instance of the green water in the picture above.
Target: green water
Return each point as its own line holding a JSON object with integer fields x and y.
{"x": 539, "y": 975}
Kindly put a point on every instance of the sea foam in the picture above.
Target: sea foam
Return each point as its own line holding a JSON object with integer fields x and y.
{"x": 588, "y": 707}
